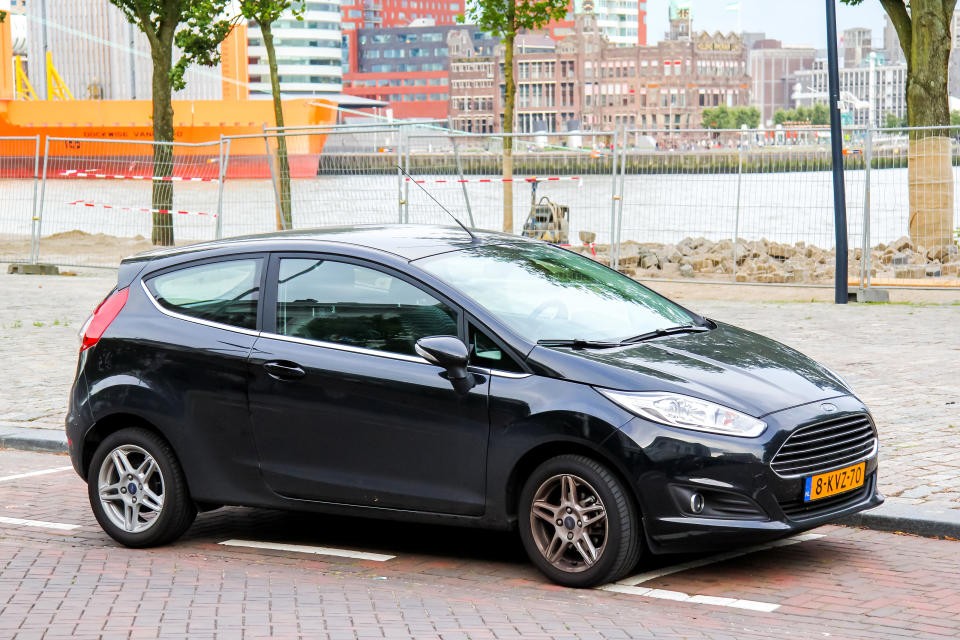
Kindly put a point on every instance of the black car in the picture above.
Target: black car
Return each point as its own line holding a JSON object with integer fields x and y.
{"x": 423, "y": 373}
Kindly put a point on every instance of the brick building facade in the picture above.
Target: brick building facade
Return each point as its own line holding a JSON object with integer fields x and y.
{"x": 584, "y": 82}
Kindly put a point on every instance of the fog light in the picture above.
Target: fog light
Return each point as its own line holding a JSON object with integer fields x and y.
{"x": 696, "y": 503}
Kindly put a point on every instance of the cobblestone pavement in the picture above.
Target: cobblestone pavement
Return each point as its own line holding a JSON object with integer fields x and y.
{"x": 903, "y": 360}
{"x": 442, "y": 582}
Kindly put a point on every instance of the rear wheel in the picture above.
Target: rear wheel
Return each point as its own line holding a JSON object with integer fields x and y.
{"x": 137, "y": 489}
{"x": 577, "y": 522}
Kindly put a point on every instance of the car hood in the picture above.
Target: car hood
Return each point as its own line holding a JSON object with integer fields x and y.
{"x": 727, "y": 365}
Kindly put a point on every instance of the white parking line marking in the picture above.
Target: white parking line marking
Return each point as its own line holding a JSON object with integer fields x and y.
{"x": 633, "y": 581}
{"x": 679, "y": 596}
{"x": 300, "y": 548}
{"x": 17, "y": 522}
{"x": 34, "y": 473}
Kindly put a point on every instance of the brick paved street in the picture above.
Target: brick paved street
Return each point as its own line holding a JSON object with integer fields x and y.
{"x": 442, "y": 583}
{"x": 903, "y": 360}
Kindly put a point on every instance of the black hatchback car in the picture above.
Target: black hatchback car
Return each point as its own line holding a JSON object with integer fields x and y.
{"x": 421, "y": 373}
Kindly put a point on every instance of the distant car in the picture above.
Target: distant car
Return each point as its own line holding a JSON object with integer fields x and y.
{"x": 418, "y": 373}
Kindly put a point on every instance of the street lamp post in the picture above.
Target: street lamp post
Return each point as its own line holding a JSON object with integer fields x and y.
{"x": 836, "y": 142}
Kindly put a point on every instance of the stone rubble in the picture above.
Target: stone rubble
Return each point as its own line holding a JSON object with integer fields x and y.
{"x": 773, "y": 262}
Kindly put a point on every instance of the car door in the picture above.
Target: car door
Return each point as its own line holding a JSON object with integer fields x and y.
{"x": 344, "y": 410}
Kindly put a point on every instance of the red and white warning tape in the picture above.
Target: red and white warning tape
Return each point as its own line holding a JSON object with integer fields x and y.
{"x": 74, "y": 173}
{"x": 86, "y": 203}
{"x": 458, "y": 181}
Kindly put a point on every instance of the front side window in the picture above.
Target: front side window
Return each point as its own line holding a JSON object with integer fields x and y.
{"x": 225, "y": 292}
{"x": 545, "y": 293}
{"x": 356, "y": 306}
{"x": 484, "y": 352}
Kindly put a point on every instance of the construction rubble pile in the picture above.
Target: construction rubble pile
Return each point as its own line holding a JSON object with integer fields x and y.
{"x": 772, "y": 262}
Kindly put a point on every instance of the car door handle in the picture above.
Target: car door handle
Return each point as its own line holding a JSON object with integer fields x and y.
{"x": 284, "y": 370}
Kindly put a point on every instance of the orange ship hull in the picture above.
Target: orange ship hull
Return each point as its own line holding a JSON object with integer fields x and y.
{"x": 99, "y": 127}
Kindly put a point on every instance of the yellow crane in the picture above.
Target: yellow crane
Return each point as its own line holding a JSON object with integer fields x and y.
{"x": 56, "y": 88}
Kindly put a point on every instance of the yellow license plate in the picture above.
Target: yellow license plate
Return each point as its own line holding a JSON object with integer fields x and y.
{"x": 828, "y": 484}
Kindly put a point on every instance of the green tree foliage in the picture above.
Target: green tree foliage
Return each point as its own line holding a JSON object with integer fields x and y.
{"x": 505, "y": 19}
{"x": 197, "y": 27}
{"x": 818, "y": 114}
{"x": 891, "y": 121}
{"x": 265, "y": 13}
{"x": 724, "y": 117}
{"x": 923, "y": 28}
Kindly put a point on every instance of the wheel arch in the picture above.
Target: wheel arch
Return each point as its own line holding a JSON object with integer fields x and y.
{"x": 108, "y": 425}
{"x": 542, "y": 452}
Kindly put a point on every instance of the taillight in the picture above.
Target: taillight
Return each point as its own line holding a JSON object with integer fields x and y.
{"x": 101, "y": 319}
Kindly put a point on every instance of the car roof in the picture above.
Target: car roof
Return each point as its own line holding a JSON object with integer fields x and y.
{"x": 408, "y": 241}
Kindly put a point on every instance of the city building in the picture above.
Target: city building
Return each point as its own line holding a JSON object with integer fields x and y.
{"x": 857, "y": 45}
{"x": 308, "y": 51}
{"x": 356, "y": 15}
{"x": 953, "y": 68}
{"x": 408, "y": 67}
{"x": 99, "y": 54}
{"x": 770, "y": 66}
{"x": 868, "y": 93}
{"x": 622, "y": 22}
{"x": 892, "y": 51}
{"x": 585, "y": 82}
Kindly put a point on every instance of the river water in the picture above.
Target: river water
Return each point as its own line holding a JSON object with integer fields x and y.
{"x": 783, "y": 207}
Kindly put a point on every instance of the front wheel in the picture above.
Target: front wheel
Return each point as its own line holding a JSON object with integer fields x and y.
{"x": 577, "y": 522}
{"x": 137, "y": 489}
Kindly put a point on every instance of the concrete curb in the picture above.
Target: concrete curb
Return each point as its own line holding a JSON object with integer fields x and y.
{"x": 48, "y": 440}
{"x": 916, "y": 519}
{"x": 908, "y": 518}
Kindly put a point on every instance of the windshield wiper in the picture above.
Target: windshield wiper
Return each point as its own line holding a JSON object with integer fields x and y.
{"x": 658, "y": 333}
{"x": 578, "y": 343}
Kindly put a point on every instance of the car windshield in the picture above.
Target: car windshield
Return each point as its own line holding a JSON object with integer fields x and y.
{"x": 545, "y": 293}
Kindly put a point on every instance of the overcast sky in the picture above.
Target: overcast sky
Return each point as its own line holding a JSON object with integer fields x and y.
{"x": 792, "y": 21}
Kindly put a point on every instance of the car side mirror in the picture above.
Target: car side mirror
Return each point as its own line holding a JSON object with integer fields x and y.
{"x": 447, "y": 352}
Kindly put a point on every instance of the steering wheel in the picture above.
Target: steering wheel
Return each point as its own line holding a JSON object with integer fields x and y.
{"x": 561, "y": 309}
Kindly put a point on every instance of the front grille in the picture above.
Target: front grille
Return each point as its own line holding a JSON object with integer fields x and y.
{"x": 797, "y": 509}
{"x": 826, "y": 445}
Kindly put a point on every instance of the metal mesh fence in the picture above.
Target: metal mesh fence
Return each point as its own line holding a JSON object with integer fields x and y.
{"x": 731, "y": 205}
{"x": 748, "y": 206}
{"x": 19, "y": 181}
{"x": 102, "y": 200}
{"x": 465, "y": 173}
{"x": 914, "y": 224}
{"x": 330, "y": 177}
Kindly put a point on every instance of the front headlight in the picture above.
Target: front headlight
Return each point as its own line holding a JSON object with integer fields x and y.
{"x": 686, "y": 412}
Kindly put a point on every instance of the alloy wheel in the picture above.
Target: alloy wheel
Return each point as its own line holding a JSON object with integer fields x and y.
{"x": 569, "y": 523}
{"x": 131, "y": 488}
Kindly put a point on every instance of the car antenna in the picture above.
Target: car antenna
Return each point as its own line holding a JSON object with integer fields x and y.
{"x": 473, "y": 238}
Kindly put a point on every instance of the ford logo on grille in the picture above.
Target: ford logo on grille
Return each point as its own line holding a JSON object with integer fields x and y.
{"x": 829, "y": 407}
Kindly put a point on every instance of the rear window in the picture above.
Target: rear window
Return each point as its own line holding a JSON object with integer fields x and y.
{"x": 226, "y": 292}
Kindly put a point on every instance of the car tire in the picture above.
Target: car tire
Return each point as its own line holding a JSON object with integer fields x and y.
{"x": 583, "y": 534}
{"x": 137, "y": 489}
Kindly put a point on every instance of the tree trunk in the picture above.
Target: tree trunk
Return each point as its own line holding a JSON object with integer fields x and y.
{"x": 284, "y": 216}
{"x": 510, "y": 91}
{"x": 162, "y": 196}
{"x": 929, "y": 170}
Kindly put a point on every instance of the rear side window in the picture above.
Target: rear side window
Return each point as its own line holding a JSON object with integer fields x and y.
{"x": 225, "y": 292}
{"x": 348, "y": 304}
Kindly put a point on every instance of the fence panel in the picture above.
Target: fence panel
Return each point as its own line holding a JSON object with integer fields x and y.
{"x": 915, "y": 219}
{"x": 572, "y": 171}
{"x": 97, "y": 198}
{"x": 688, "y": 195}
{"x": 19, "y": 180}
{"x": 336, "y": 176}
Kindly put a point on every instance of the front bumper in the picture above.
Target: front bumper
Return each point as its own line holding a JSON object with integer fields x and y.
{"x": 745, "y": 501}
